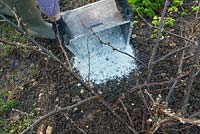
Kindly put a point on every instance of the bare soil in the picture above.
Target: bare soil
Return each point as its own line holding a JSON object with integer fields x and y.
{"x": 41, "y": 84}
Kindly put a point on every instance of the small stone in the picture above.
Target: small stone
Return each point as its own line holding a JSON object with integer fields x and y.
{"x": 135, "y": 22}
{"x": 34, "y": 83}
{"x": 100, "y": 92}
{"x": 75, "y": 109}
{"x": 91, "y": 85}
{"x": 21, "y": 87}
{"x": 78, "y": 84}
{"x": 82, "y": 91}
{"x": 76, "y": 99}
{"x": 134, "y": 36}
{"x": 162, "y": 37}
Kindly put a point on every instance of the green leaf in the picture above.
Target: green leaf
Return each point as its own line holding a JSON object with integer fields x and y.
{"x": 177, "y": 3}
{"x": 173, "y": 9}
{"x": 149, "y": 12}
{"x": 184, "y": 12}
{"x": 195, "y": 8}
{"x": 156, "y": 21}
{"x": 169, "y": 21}
{"x": 147, "y": 7}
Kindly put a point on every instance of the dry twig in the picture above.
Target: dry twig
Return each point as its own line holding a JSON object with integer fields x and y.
{"x": 22, "y": 113}
{"x": 61, "y": 44}
{"x": 66, "y": 67}
{"x": 194, "y": 68}
{"x": 181, "y": 119}
{"x": 191, "y": 78}
{"x": 154, "y": 51}
{"x": 67, "y": 117}
{"x": 127, "y": 113}
{"x": 171, "y": 53}
{"x": 156, "y": 83}
{"x": 15, "y": 14}
{"x": 194, "y": 115}
{"x": 158, "y": 125}
{"x": 180, "y": 67}
{"x": 89, "y": 59}
{"x": 17, "y": 44}
{"x": 57, "y": 110}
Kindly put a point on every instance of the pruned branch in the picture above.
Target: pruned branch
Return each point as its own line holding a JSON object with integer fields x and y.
{"x": 180, "y": 71}
{"x": 18, "y": 44}
{"x": 68, "y": 70}
{"x": 171, "y": 54}
{"x": 57, "y": 110}
{"x": 191, "y": 78}
{"x": 156, "y": 83}
{"x": 127, "y": 113}
{"x": 154, "y": 51}
{"x": 181, "y": 119}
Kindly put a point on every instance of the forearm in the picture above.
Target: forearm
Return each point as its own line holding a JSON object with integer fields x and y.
{"x": 49, "y": 7}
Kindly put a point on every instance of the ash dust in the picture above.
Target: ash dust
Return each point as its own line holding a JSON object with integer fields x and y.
{"x": 105, "y": 63}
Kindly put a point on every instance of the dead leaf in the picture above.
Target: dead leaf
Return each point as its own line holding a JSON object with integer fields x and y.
{"x": 173, "y": 44}
{"x": 49, "y": 130}
{"x": 40, "y": 129}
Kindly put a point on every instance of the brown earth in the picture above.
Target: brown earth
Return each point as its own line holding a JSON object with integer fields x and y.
{"x": 40, "y": 84}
